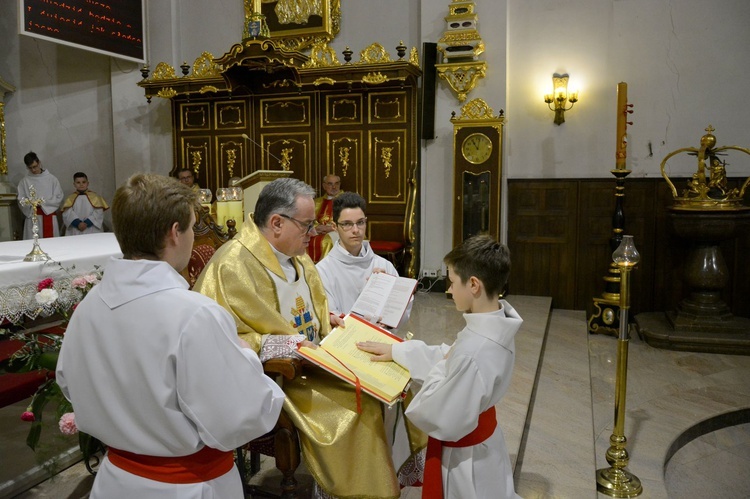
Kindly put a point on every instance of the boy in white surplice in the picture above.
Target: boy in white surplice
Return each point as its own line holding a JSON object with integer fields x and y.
{"x": 461, "y": 383}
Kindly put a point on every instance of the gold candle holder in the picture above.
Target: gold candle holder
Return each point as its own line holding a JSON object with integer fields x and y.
{"x": 616, "y": 481}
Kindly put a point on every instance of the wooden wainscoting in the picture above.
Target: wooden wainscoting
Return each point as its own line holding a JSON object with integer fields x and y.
{"x": 559, "y": 231}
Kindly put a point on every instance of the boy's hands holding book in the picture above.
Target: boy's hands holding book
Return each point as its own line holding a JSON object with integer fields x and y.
{"x": 381, "y": 351}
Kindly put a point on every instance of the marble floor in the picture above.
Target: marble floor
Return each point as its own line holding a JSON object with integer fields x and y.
{"x": 687, "y": 416}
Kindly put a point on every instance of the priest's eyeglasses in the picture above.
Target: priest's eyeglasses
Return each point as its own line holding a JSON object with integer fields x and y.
{"x": 309, "y": 226}
{"x": 347, "y": 225}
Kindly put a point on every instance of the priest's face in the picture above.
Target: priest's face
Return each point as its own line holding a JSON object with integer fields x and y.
{"x": 351, "y": 227}
{"x": 295, "y": 236}
{"x": 332, "y": 185}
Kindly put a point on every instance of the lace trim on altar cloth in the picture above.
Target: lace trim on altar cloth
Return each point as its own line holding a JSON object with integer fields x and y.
{"x": 19, "y": 302}
{"x": 280, "y": 345}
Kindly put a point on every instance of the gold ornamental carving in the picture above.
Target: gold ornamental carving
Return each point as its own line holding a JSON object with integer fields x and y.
{"x": 166, "y": 93}
{"x": 462, "y": 77}
{"x": 324, "y": 80}
{"x": 385, "y": 155}
{"x": 205, "y": 67}
{"x": 286, "y": 158}
{"x": 375, "y": 78}
{"x": 322, "y": 56}
{"x": 344, "y": 160}
{"x": 374, "y": 54}
{"x": 163, "y": 71}
{"x": 207, "y": 89}
{"x": 707, "y": 189}
{"x": 414, "y": 57}
{"x": 475, "y": 110}
{"x": 231, "y": 160}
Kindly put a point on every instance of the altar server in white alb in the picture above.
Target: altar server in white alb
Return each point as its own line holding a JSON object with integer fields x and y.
{"x": 157, "y": 372}
{"x": 461, "y": 383}
{"x": 47, "y": 187}
{"x": 346, "y": 268}
{"x": 83, "y": 211}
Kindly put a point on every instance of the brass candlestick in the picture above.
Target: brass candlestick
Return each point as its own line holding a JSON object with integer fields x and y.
{"x": 615, "y": 481}
{"x": 36, "y": 254}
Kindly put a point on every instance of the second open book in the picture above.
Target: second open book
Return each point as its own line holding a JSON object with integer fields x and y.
{"x": 339, "y": 355}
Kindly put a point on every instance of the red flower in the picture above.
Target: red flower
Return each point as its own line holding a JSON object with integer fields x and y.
{"x": 45, "y": 284}
{"x": 28, "y": 416}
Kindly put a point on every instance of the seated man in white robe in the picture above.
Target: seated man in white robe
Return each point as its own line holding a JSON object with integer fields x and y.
{"x": 345, "y": 270}
{"x": 83, "y": 211}
{"x": 156, "y": 372}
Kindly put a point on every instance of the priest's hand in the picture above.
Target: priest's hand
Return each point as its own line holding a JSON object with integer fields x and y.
{"x": 381, "y": 351}
{"x": 336, "y": 320}
{"x": 323, "y": 229}
{"x": 82, "y": 226}
{"x": 308, "y": 344}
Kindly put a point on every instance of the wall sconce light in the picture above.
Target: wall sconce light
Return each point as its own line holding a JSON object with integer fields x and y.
{"x": 560, "y": 97}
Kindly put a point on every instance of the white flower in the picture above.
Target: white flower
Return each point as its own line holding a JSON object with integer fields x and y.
{"x": 46, "y": 296}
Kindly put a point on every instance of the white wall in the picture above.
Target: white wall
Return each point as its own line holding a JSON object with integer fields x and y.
{"x": 685, "y": 61}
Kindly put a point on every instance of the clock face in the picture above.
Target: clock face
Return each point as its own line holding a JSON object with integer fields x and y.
{"x": 476, "y": 148}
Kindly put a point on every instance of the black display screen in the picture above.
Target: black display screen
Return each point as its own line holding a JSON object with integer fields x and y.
{"x": 112, "y": 27}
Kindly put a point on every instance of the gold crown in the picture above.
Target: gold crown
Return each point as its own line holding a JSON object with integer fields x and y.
{"x": 707, "y": 189}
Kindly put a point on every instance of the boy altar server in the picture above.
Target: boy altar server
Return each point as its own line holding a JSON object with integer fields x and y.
{"x": 156, "y": 372}
{"x": 83, "y": 211}
{"x": 462, "y": 383}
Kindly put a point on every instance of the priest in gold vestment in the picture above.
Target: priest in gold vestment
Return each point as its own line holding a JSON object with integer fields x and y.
{"x": 270, "y": 286}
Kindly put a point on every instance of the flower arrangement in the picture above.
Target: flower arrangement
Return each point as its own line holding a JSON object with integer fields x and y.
{"x": 40, "y": 351}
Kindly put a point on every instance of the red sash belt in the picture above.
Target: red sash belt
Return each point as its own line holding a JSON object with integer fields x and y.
{"x": 206, "y": 464}
{"x": 433, "y": 470}
{"x": 47, "y": 230}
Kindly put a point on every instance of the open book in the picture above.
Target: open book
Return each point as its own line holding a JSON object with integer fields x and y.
{"x": 339, "y": 355}
{"x": 384, "y": 297}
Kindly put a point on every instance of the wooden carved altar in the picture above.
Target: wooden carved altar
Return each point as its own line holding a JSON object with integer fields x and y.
{"x": 261, "y": 106}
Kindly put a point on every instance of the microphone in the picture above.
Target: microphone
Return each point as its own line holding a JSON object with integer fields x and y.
{"x": 244, "y": 136}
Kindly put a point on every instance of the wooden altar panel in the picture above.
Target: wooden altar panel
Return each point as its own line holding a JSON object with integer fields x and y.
{"x": 230, "y": 115}
{"x": 294, "y": 149}
{"x": 343, "y": 109}
{"x": 230, "y": 159}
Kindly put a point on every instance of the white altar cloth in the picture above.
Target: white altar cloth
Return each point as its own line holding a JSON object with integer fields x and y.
{"x": 71, "y": 257}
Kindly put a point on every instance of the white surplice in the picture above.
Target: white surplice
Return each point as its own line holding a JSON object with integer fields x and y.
{"x": 82, "y": 210}
{"x": 456, "y": 390}
{"x": 46, "y": 187}
{"x": 154, "y": 369}
{"x": 344, "y": 276}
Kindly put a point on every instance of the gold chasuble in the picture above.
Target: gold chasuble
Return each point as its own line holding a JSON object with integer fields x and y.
{"x": 346, "y": 453}
{"x": 321, "y": 244}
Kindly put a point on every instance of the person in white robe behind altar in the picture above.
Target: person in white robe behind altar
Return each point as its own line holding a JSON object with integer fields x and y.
{"x": 83, "y": 211}
{"x": 351, "y": 261}
{"x": 157, "y": 372}
{"x": 48, "y": 188}
{"x": 460, "y": 384}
